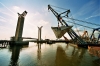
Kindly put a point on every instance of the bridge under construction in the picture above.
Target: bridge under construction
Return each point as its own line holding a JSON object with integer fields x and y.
{"x": 59, "y": 31}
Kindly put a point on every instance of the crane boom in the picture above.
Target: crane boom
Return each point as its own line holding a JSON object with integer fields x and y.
{"x": 71, "y": 33}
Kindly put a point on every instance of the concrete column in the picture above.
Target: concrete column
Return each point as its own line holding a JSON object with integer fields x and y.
{"x": 39, "y": 33}
{"x": 19, "y": 28}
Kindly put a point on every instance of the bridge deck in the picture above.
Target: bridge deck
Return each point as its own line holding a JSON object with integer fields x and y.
{"x": 44, "y": 41}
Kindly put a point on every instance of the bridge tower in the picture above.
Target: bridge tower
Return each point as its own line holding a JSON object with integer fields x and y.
{"x": 39, "y": 33}
{"x": 19, "y": 27}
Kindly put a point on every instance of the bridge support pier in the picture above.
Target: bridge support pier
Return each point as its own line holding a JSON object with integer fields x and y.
{"x": 39, "y": 33}
{"x": 19, "y": 28}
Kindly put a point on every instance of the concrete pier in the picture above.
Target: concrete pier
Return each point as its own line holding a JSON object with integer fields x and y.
{"x": 20, "y": 25}
{"x": 39, "y": 33}
{"x": 17, "y": 39}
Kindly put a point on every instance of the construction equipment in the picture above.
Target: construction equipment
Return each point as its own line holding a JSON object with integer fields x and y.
{"x": 83, "y": 40}
{"x": 85, "y": 36}
{"x": 71, "y": 33}
{"x": 60, "y": 31}
{"x": 92, "y": 36}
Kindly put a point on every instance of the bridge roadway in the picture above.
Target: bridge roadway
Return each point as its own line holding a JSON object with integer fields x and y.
{"x": 42, "y": 41}
{"x": 5, "y": 41}
{"x": 49, "y": 41}
{"x": 26, "y": 42}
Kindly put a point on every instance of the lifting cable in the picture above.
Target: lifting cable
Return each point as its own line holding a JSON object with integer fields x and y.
{"x": 80, "y": 25}
{"x": 59, "y": 7}
{"x": 75, "y": 19}
{"x": 75, "y": 25}
{"x": 83, "y": 21}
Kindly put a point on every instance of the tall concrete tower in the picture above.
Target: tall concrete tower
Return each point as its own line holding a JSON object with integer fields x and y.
{"x": 39, "y": 33}
{"x": 19, "y": 28}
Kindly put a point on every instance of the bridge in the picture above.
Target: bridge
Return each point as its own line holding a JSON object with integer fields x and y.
{"x": 4, "y": 43}
{"x": 18, "y": 39}
{"x": 28, "y": 38}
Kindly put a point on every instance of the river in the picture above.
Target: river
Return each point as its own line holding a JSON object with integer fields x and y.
{"x": 58, "y": 54}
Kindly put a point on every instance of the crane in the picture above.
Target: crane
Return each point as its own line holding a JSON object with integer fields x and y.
{"x": 71, "y": 33}
{"x": 91, "y": 37}
{"x": 85, "y": 34}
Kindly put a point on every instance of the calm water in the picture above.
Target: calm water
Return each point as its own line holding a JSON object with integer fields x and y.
{"x": 59, "y": 54}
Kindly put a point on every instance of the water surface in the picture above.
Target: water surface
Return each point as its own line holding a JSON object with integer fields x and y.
{"x": 59, "y": 54}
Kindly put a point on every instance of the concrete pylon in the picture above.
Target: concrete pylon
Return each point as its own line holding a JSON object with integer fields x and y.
{"x": 39, "y": 33}
{"x": 19, "y": 28}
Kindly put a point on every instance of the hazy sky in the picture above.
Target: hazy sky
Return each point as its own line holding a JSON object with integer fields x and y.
{"x": 38, "y": 15}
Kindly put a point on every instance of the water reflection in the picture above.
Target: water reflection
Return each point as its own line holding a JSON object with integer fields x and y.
{"x": 95, "y": 51}
{"x": 39, "y": 56}
{"x": 15, "y": 54}
{"x": 39, "y": 51}
{"x": 63, "y": 60}
{"x": 47, "y": 55}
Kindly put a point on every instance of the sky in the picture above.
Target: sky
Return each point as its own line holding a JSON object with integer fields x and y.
{"x": 38, "y": 15}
